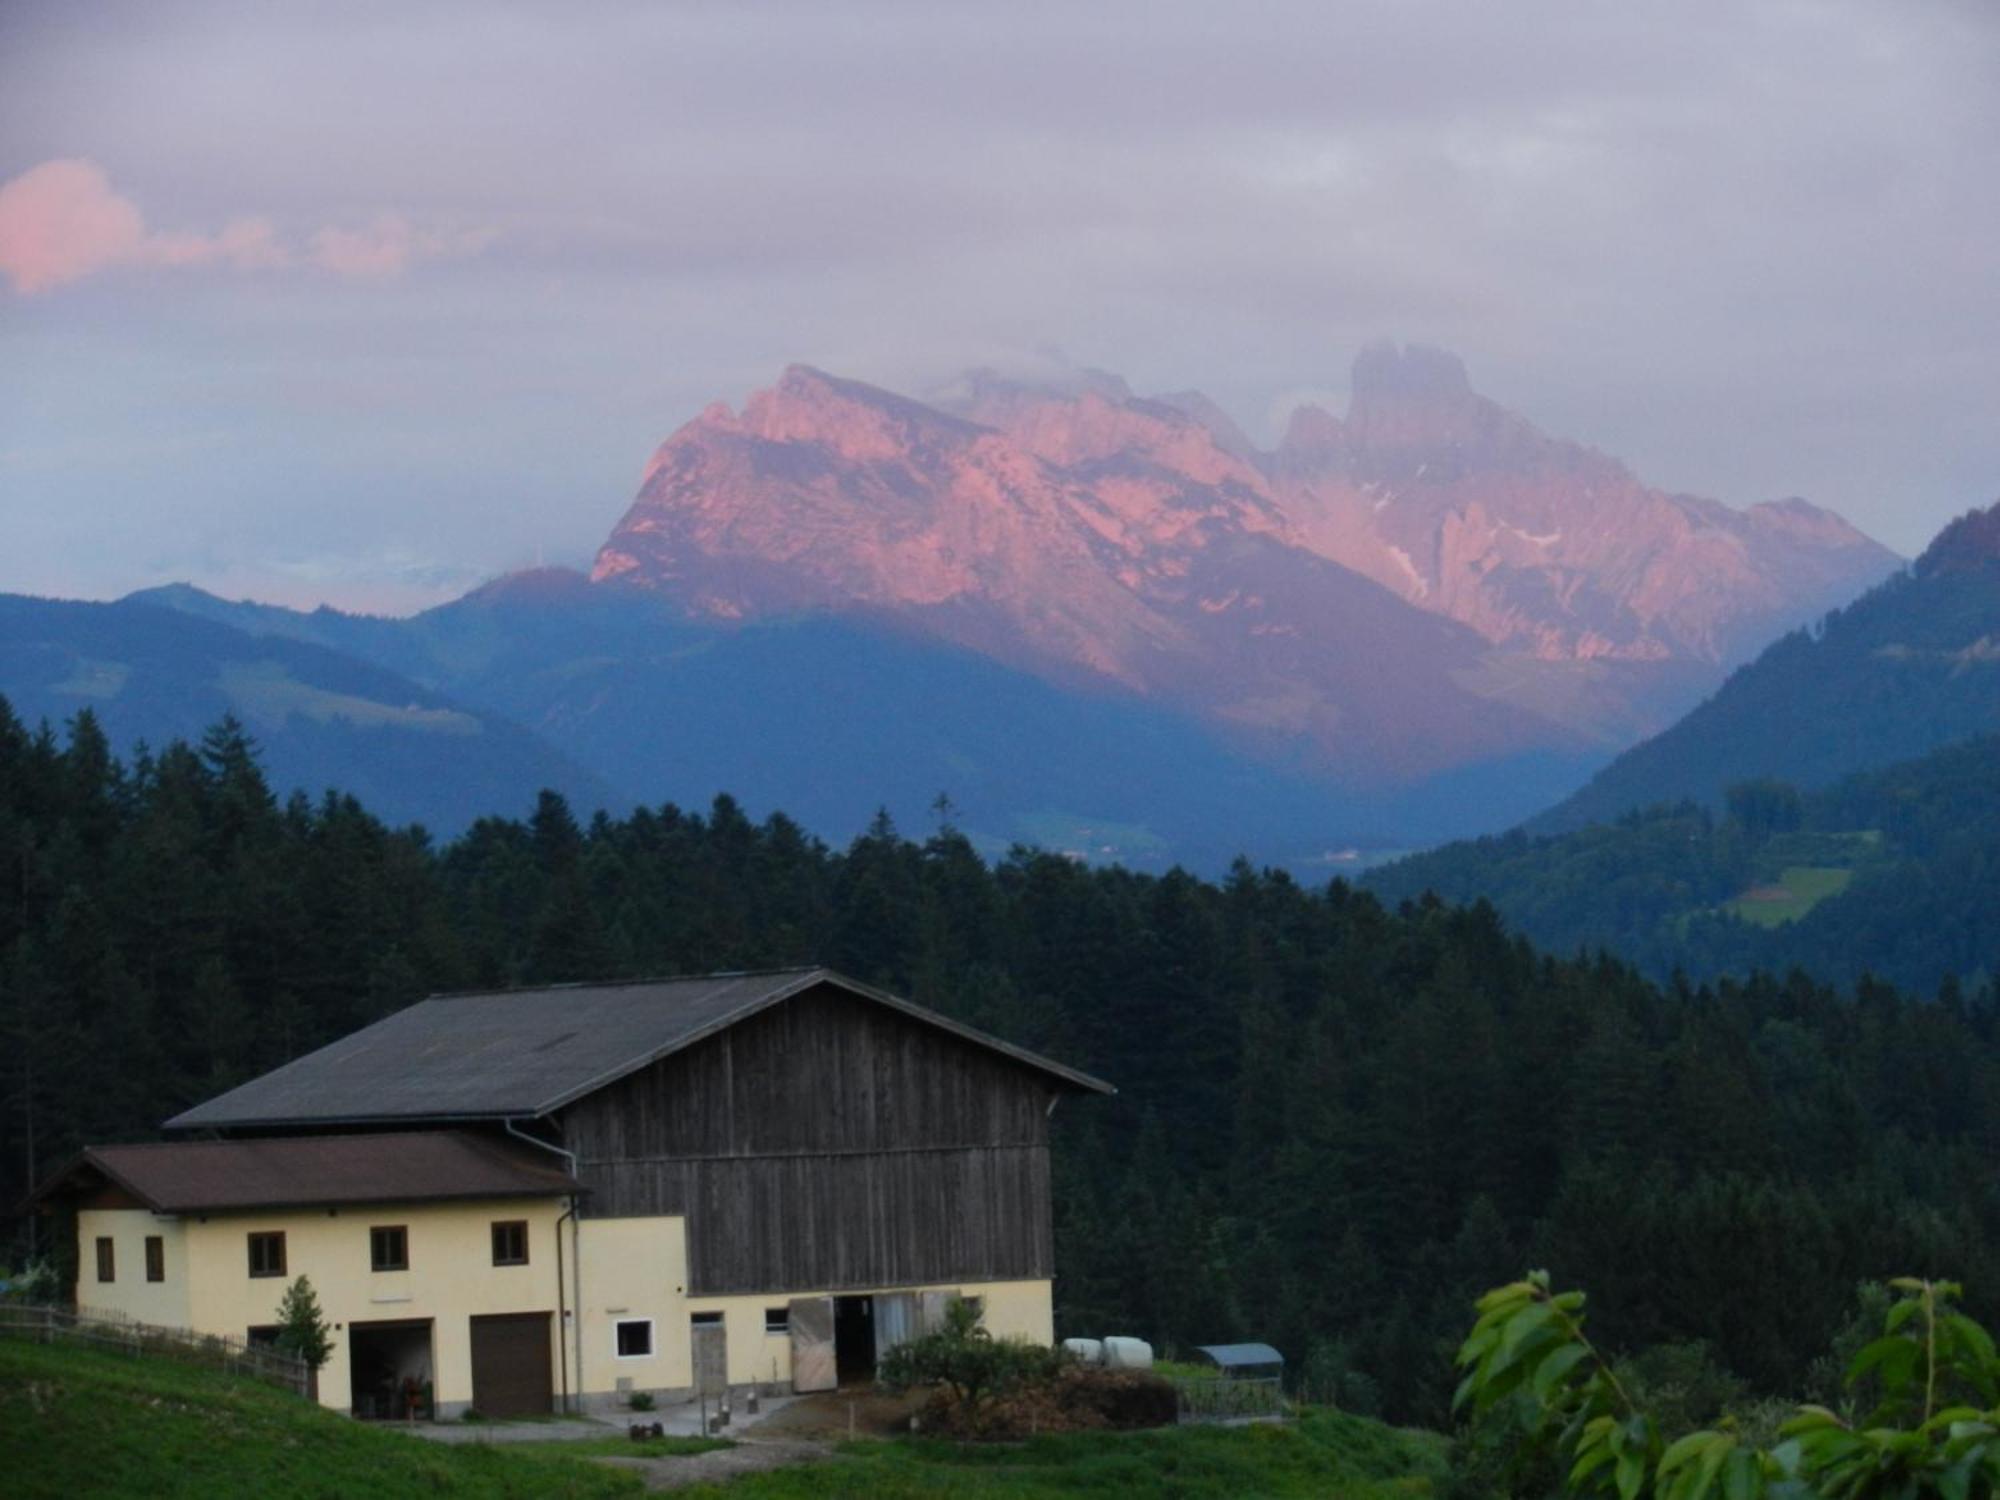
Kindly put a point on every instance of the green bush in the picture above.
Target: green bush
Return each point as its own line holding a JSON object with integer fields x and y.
{"x": 966, "y": 1361}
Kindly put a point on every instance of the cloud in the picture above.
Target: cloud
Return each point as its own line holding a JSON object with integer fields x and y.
{"x": 62, "y": 221}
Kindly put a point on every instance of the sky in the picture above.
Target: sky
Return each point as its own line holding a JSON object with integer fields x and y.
{"x": 362, "y": 304}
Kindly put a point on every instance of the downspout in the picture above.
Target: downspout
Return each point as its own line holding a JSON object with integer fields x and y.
{"x": 562, "y": 1308}
{"x": 576, "y": 1252}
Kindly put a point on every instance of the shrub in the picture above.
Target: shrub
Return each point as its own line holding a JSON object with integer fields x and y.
{"x": 640, "y": 1401}
{"x": 966, "y": 1361}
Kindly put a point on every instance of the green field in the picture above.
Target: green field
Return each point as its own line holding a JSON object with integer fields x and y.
{"x": 79, "y": 1422}
{"x": 1798, "y": 889}
{"x": 85, "y": 1422}
{"x": 1325, "y": 1454}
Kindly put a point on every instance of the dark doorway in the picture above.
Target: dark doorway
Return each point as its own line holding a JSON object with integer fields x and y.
{"x": 390, "y": 1369}
{"x": 510, "y": 1365}
{"x": 854, "y": 1338}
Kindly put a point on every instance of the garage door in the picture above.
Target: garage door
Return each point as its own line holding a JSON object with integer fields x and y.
{"x": 510, "y": 1365}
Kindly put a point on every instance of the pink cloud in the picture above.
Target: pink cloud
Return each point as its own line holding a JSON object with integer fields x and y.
{"x": 62, "y": 221}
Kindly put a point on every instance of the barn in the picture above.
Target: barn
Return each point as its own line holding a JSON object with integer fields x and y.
{"x": 718, "y": 1181}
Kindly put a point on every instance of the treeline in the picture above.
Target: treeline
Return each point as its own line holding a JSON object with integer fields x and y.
{"x": 1337, "y": 1121}
{"x": 1922, "y": 840}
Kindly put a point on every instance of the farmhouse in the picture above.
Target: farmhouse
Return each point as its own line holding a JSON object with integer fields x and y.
{"x": 563, "y": 1196}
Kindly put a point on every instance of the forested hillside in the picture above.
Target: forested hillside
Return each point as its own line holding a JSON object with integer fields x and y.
{"x": 1337, "y": 1121}
{"x": 1893, "y": 872}
{"x": 1911, "y": 666}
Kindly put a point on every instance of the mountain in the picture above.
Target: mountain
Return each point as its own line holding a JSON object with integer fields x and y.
{"x": 1912, "y": 665}
{"x": 322, "y": 717}
{"x": 1110, "y": 623}
{"x": 1890, "y": 872}
{"x": 831, "y": 719}
{"x": 1427, "y": 584}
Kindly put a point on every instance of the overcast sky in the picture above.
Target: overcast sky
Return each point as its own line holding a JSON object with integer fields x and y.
{"x": 364, "y": 303}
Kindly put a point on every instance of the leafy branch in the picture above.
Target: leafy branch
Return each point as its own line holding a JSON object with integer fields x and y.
{"x": 1934, "y": 1428}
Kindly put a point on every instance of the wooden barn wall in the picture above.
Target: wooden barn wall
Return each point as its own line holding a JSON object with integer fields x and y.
{"x": 829, "y": 1142}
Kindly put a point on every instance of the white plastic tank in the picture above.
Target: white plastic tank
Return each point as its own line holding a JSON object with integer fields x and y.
{"x": 1085, "y": 1351}
{"x": 1128, "y": 1354}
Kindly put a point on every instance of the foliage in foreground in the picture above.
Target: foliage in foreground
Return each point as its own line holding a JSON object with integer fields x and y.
{"x": 1922, "y": 1416}
{"x": 83, "y": 1421}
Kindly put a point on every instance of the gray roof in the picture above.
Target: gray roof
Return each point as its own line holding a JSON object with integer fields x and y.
{"x": 287, "y": 1171}
{"x": 523, "y": 1053}
{"x": 1230, "y": 1356}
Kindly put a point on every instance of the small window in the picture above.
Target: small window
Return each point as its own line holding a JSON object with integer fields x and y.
{"x": 635, "y": 1338}
{"x": 706, "y": 1320}
{"x": 156, "y": 1258}
{"x": 107, "y": 1259}
{"x": 510, "y": 1242}
{"x": 777, "y": 1320}
{"x": 263, "y": 1335}
{"x": 267, "y": 1253}
{"x": 389, "y": 1248}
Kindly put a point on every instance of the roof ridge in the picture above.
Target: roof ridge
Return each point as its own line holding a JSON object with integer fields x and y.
{"x": 616, "y": 984}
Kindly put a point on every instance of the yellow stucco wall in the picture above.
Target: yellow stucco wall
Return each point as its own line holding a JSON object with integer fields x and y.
{"x": 164, "y": 1303}
{"x": 629, "y": 1269}
{"x": 451, "y": 1276}
{"x": 637, "y": 1269}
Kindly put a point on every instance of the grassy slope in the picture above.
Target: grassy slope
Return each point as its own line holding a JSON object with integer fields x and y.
{"x": 1326, "y": 1455}
{"x": 79, "y": 1421}
{"x": 87, "y": 1422}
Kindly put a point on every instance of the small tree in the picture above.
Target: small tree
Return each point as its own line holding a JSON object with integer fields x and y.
{"x": 966, "y": 1360}
{"x": 302, "y": 1330}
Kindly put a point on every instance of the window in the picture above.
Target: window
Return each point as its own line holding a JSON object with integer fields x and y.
{"x": 156, "y": 1258}
{"x": 107, "y": 1259}
{"x": 263, "y": 1336}
{"x": 389, "y": 1248}
{"x": 706, "y": 1320}
{"x": 777, "y": 1320}
{"x": 267, "y": 1253}
{"x": 635, "y": 1338}
{"x": 510, "y": 1242}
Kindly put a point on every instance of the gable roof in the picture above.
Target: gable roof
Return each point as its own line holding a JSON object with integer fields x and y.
{"x": 316, "y": 1170}
{"x": 517, "y": 1054}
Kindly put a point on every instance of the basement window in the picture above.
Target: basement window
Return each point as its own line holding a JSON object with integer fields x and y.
{"x": 777, "y": 1320}
{"x": 107, "y": 1259}
{"x": 389, "y": 1248}
{"x": 156, "y": 1258}
{"x": 267, "y": 1253}
{"x": 510, "y": 1242}
{"x": 635, "y": 1338}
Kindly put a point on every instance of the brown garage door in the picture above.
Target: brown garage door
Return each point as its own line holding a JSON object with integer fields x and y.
{"x": 510, "y": 1365}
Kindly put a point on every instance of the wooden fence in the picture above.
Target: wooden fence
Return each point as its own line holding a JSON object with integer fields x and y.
{"x": 119, "y": 1331}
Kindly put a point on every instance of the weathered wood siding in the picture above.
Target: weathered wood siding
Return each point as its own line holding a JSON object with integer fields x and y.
{"x": 829, "y": 1143}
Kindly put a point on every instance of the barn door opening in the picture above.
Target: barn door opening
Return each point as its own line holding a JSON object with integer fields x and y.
{"x": 814, "y": 1367}
{"x": 709, "y": 1337}
{"x": 854, "y": 1338}
{"x": 390, "y": 1369}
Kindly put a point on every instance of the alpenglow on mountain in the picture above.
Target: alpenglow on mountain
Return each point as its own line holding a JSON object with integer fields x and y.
{"x": 1424, "y": 584}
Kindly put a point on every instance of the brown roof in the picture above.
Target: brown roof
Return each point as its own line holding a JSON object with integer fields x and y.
{"x": 296, "y": 1171}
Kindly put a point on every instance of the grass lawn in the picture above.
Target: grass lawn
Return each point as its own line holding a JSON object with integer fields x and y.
{"x": 77, "y": 1421}
{"x": 1326, "y": 1455}
{"x": 1799, "y": 889}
